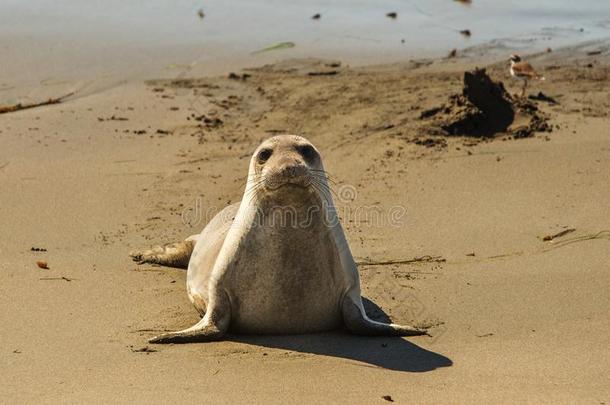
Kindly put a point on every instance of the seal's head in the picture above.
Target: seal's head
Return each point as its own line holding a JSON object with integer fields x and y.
{"x": 286, "y": 162}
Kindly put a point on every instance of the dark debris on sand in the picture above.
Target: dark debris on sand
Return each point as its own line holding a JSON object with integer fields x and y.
{"x": 485, "y": 109}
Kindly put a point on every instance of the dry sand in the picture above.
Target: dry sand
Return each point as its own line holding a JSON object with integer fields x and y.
{"x": 514, "y": 318}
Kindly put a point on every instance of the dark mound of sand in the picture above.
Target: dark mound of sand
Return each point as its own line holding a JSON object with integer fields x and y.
{"x": 485, "y": 109}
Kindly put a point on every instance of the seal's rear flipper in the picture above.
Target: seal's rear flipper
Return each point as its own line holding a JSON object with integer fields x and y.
{"x": 172, "y": 255}
{"x": 213, "y": 326}
{"x": 359, "y": 323}
{"x": 206, "y": 334}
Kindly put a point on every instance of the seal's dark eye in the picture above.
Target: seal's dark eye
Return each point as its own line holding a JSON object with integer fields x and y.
{"x": 307, "y": 151}
{"x": 264, "y": 155}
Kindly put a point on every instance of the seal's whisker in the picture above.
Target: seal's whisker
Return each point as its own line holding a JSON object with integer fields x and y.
{"x": 320, "y": 179}
{"x": 329, "y": 176}
{"x": 321, "y": 173}
{"x": 254, "y": 184}
{"x": 323, "y": 177}
{"x": 323, "y": 189}
{"x": 255, "y": 187}
{"x": 320, "y": 182}
{"x": 321, "y": 192}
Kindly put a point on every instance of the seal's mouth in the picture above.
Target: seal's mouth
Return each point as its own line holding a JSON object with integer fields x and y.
{"x": 295, "y": 176}
{"x": 274, "y": 184}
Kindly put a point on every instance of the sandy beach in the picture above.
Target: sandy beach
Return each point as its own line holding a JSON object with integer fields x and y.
{"x": 513, "y": 318}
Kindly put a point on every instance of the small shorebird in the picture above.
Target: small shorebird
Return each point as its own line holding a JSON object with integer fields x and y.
{"x": 523, "y": 71}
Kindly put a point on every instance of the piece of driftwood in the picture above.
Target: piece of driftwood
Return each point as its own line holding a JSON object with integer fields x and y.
{"x": 599, "y": 235}
{"x": 56, "y": 278}
{"x": 18, "y": 107}
{"x": 558, "y": 234}
{"x": 421, "y": 259}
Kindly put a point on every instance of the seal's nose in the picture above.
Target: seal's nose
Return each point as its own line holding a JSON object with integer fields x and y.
{"x": 293, "y": 170}
{"x": 288, "y": 171}
{"x": 291, "y": 167}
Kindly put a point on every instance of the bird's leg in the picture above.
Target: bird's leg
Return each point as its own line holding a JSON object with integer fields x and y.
{"x": 524, "y": 87}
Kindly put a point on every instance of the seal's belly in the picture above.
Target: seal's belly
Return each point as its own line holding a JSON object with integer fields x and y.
{"x": 287, "y": 285}
{"x": 286, "y": 308}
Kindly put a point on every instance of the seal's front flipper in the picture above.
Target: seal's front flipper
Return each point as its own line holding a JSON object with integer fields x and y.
{"x": 213, "y": 326}
{"x": 172, "y": 255}
{"x": 359, "y": 323}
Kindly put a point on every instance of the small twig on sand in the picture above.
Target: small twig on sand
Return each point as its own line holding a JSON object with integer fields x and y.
{"x": 558, "y": 234}
{"x": 4, "y": 165}
{"x": 505, "y": 255}
{"x": 144, "y": 349}
{"x": 20, "y": 106}
{"x": 422, "y": 259}
{"x": 151, "y": 330}
{"x": 57, "y": 278}
{"x": 598, "y": 235}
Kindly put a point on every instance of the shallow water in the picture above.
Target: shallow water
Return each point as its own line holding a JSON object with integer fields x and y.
{"x": 54, "y": 47}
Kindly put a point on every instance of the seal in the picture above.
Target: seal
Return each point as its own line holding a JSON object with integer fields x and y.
{"x": 278, "y": 261}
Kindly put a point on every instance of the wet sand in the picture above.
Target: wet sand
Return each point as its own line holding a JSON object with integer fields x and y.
{"x": 514, "y": 318}
{"x": 50, "y": 49}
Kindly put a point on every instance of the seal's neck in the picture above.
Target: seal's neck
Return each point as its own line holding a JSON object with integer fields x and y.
{"x": 290, "y": 206}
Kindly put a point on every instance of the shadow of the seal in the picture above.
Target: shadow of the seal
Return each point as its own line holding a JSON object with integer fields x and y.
{"x": 392, "y": 353}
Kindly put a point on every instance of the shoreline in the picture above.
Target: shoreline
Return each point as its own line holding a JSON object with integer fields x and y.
{"x": 491, "y": 53}
{"x": 90, "y": 48}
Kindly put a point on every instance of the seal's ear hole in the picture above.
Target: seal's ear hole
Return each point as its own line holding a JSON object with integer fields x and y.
{"x": 264, "y": 155}
{"x": 308, "y": 152}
